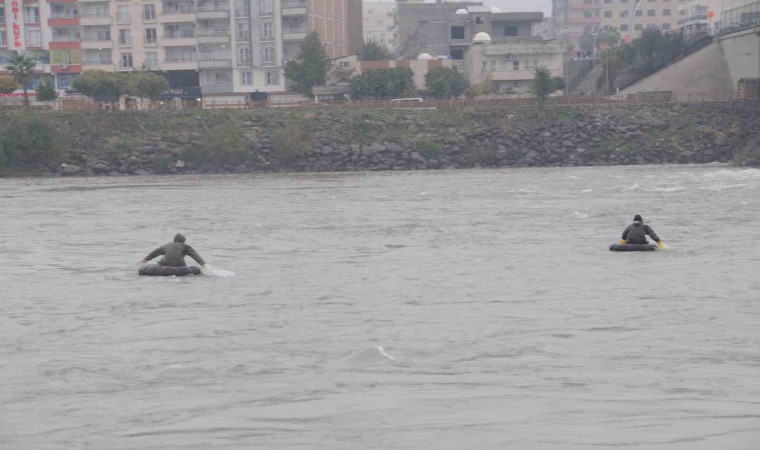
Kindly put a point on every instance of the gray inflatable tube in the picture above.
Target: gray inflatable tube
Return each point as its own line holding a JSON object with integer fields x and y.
{"x": 168, "y": 271}
{"x": 633, "y": 247}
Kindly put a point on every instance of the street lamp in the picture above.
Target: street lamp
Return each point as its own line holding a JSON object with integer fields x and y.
{"x": 633, "y": 13}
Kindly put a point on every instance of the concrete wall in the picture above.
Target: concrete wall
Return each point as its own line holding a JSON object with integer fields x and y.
{"x": 742, "y": 53}
{"x": 705, "y": 71}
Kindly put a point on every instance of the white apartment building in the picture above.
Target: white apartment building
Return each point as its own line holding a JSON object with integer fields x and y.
{"x": 220, "y": 46}
{"x": 697, "y": 16}
{"x": 380, "y": 20}
{"x": 510, "y": 63}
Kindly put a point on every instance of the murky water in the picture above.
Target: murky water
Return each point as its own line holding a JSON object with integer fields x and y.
{"x": 438, "y": 310}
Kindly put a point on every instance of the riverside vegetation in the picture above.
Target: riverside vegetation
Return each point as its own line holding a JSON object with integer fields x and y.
{"x": 242, "y": 141}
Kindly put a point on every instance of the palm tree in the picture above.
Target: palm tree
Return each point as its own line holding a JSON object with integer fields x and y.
{"x": 22, "y": 70}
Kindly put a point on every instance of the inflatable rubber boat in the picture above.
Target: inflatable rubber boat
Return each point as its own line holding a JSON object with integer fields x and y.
{"x": 617, "y": 247}
{"x": 155, "y": 270}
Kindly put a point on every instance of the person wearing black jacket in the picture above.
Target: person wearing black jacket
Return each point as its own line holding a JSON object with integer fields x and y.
{"x": 174, "y": 253}
{"x": 637, "y": 232}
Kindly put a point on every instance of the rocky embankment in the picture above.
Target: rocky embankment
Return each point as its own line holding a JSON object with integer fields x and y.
{"x": 190, "y": 142}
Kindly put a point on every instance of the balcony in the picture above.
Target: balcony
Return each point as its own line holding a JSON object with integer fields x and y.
{"x": 244, "y": 62}
{"x": 28, "y": 20}
{"x": 216, "y": 87}
{"x": 123, "y": 17}
{"x": 182, "y": 13}
{"x": 243, "y": 36}
{"x": 215, "y": 60}
{"x": 179, "y": 63}
{"x": 214, "y": 36}
{"x": 294, "y": 33}
{"x": 62, "y": 19}
{"x": 179, "y": 40}
{"x": 206, "y": 12}
{"x": 65, "y": 38}
{"x": 293, "y": 8}
{"x": 125, "y": 41}
{"x": 242, "y": 13}
{"x": 101, "y": 64}
{"x": 96, "y": 42}
{"x": 95, "y": 19}
{"x": 150, "y": 42}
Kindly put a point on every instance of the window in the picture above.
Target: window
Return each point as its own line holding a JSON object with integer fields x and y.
{"x": 122, "y": 13}
{"x": 639, "y": 13}
{"x": 244, "y": 56}
{"x": 650, "y": 13}
{"x": 516, "y": 65}
{"x": 665, "y": 26}
{"x": 126, "y": 60}
{"x": 637, "y": 27}
{"x": 31, "y": 13}
{"x": 266, "y": 7}
{"x": 149, "y": 12}
{"x": 665, "y": 12}
{"x": 588, "y": 14}
{"x": 457, "y": 32}
{"x": 267, "y": 30}
{"x": 272, "y": 77}
{"x": 246, "y": 78}
{"x": 608, "y": 1}
{"x": 151, "y": 59}
{"x": 651, "y": 26}
{"x": 511, "y": 30}
{"x": 608, "y": 14}
{"x": 222, "y": 77}
{"x": 624, "y": 27}
{"x": 150, "y": 36}
{"x": 3, "y": 41}
{"x": 125, "y": 37}
{"x": 456, "y": 54}
{"x": 267, "y": 56}
{"x": 33, "y": 38}
{"x": 623, "y": 13}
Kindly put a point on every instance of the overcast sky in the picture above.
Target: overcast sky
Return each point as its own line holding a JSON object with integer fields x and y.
{"x": 545, "y": 6}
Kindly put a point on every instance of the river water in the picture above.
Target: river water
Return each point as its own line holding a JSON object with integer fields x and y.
{"x": 474, "y": 309}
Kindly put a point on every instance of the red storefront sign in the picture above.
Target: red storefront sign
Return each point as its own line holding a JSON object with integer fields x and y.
{"x": 16, "y": 11}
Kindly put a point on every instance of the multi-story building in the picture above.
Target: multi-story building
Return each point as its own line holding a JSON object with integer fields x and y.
{"x": 510, "y": 63}
{"x": 447, "y": 29}
{"x": 380, "y": 22}
{"x": 630, "y": 17}
{"x": 698, "y": 16}
{"x": 220, "y": 46}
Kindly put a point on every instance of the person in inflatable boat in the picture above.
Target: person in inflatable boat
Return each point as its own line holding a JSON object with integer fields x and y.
{"x": 174, "y": 253}
{"x": 637, "y": 232}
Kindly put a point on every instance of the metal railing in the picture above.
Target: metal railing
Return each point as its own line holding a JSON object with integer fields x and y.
{"x": 63, "y": 15}
{"x": 95, "y": 16}
{"x": 211, "y": 8}
{"x": 97, "y": 62}
{"x": 183, "y": 9}
{"x": 294, "y": 30}
{"x": 179, "y": 35}
{"x": 69, "y": 38}
{"x": 293, "y": 4}
{"x": 244, "y": 12}
{"x": 96, "y": 39}
{"x": 123, "y": 17}
{"x": 214, "y": 56}
{"x": 125, "y": 40}
{"x": 181, "y": 59}
{"x": 213, "y": 32}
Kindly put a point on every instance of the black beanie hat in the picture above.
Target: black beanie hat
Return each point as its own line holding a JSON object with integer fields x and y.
{"x": 179, "y": 238}
{"x": 637, "y": 218}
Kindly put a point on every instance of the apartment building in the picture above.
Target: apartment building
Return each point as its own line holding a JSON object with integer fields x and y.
{"x": 223, "y": 47}
{"x": 447, "y": 29}
{"x": 510, "y": 63}
{"x": 380, "y": 22}
{"x": 630, "y": 17}
{"x": 699, "y": 16}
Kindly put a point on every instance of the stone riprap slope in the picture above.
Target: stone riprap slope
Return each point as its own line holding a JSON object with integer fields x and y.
{"x": 235, "y": 141}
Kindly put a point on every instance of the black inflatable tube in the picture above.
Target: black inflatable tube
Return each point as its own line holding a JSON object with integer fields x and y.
{"x": 168, "y": 271}
{"x": 633, "y": 247}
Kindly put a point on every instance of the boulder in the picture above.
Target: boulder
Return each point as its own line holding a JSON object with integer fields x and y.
{"x": 70, "y": 169}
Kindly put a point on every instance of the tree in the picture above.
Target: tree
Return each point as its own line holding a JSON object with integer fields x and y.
{"x": 608, "y": 37}
{"x": 445, "y": 82}
{"x": 22, "y": 70}
{"x": 146, "y": 84}
{"x": 46, "y": 92}
{"x": 7, "y": 84}
{"x": 100, "y": 84}
{"x": 375, "y": 50}
{"x": 486, "y": 87}
{"x": 310, "y": 67}
{"x": 544, "y": 84}
{"x": 383, "y": 83}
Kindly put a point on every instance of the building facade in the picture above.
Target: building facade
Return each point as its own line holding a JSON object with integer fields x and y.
{"x": 214, "y": 46}
{"x": 511, "y": 63}
{"x": 447, "y": 29}
{"x": 630, "y": 17}
{"x": 381, "y": 23}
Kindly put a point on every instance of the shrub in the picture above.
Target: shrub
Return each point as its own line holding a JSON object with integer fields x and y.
{"x": 26, "y": 139}
{"x": 222, "y": 145}
{"x": 431, "y": 150}
{"x": 290, "y": 143}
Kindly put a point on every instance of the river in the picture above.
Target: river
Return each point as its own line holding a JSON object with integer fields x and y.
{"x": 472, "y": 309}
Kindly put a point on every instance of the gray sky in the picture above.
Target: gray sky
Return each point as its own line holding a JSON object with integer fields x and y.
{"x": 545, "y": 6}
